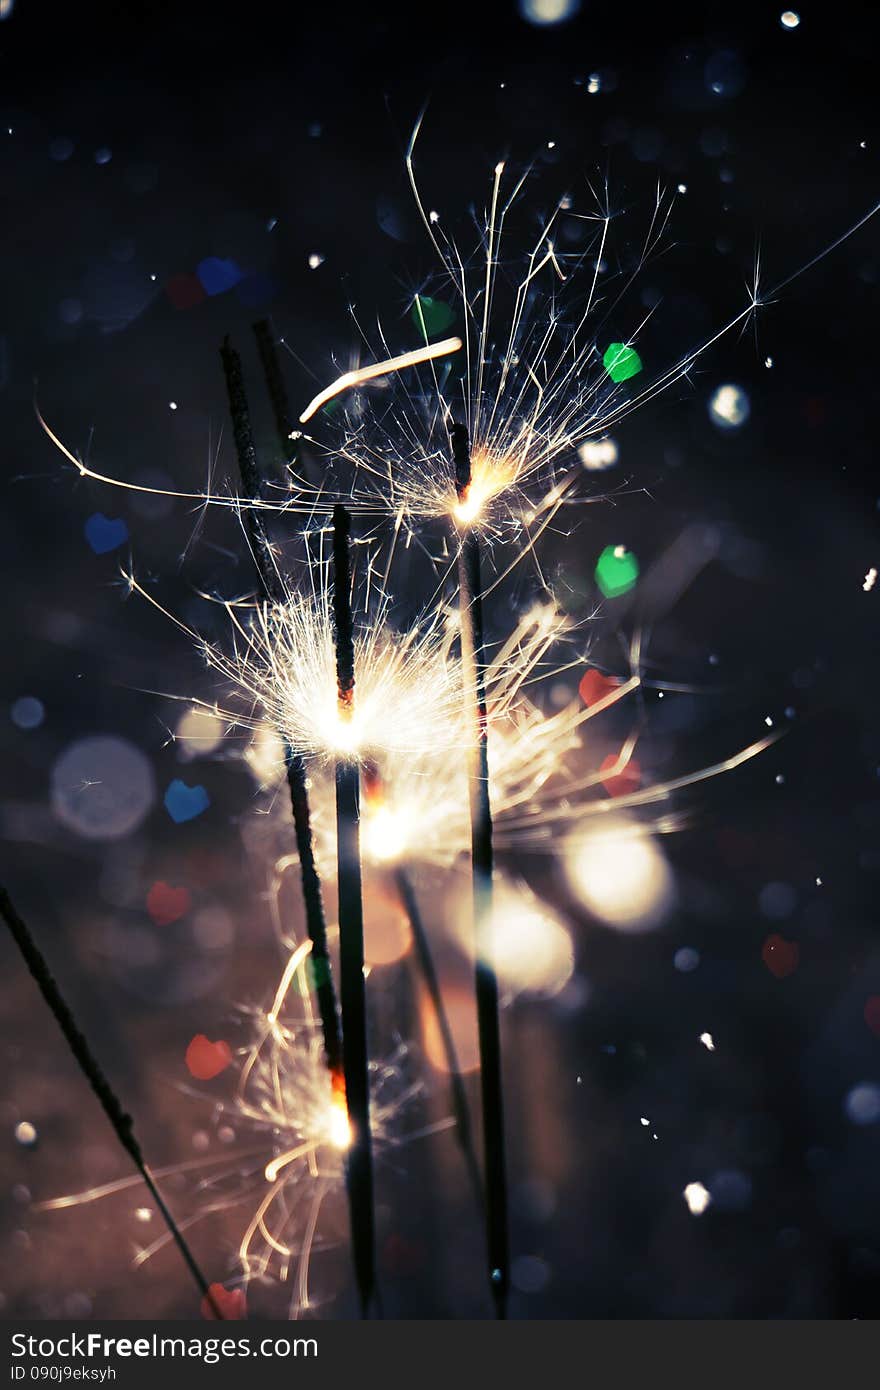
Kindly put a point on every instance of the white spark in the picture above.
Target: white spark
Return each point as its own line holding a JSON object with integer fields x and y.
{"x": 708, "y": 1041}
{"x": 697, "y": 1197}
{"x": 597, "y": 454}
{"x": 870, "y": 580}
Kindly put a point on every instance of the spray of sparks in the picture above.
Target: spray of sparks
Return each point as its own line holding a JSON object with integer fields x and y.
{"x": 543, "y": 782}
{"x": 279, "y": 668}
{"x": 527, "y": 375}
{"x": 294, "y": 1111}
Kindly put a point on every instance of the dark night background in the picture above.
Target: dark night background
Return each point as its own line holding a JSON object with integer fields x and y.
{"x": 137, "y": 141}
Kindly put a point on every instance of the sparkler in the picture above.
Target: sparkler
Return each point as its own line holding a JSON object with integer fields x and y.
{"x": 273, "y": 586}
{"x": 351, "y": 932}
{"x": 529, "y": 395}
{"x": 473, "y": 667}
{"x": 120, "y": 1122}
{"x": 302, "y": 1131}
{"x": 535, "y": 386}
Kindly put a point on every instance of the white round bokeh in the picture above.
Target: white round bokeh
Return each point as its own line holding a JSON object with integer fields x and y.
{"x": 102, "y": 787}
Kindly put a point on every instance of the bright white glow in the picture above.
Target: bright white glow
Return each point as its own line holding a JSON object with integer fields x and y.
{"x": 545, "y": 12}
{"x": 491, "y": 475}
{"x": 339, "y": 1125}
{"x": 532, "y": 951}
{"x": 789, "y": 19}
{"x": 621, "y": 876}
{"x": 265, "y": 756}
{"x": 697, "y": 1198}
{"x": 283, "y": 666}
{"x": 383, "y": 834}
{"x": 729, "y": 407}
{"x": 198, "y": 733}
{"x": 469, "y": 507}
{"x": 597, "y": 454}
{"x": 708, "y": 1041}
{"x": 870, "y": 580}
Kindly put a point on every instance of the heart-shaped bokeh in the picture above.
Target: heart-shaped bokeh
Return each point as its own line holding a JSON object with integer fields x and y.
{"x": 184, "y": 803}
{"x": 166, "y": 904}
{"x": 595, "y": 687}
{"x": 105, "y": 533}
{"x": 229, "y": 1304}
{"x": 781, "y": 957}
{"x": 216, "y": 275}
{"x": 206, "y": 1059}
{"x": 619, "y": 781}
{"x": 185, "y": 291}
{"x": 872, "y": 1013}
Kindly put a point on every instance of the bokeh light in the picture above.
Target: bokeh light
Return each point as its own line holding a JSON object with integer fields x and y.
{"x": 621, "y": 876}
{"x": 862, "y": 1103}
{"x": 729, "y": 407}
{"x": 27, "y": 712}
{"x": 546, "y": 12}
{"x": 461, "y": 1017}
{"x": 102, "y": 787}
{"x": 532, "y": 949}
{"x": 697, "y": 1197}
{"x": 387, "y": 933}
{"x": 198, "y": 733}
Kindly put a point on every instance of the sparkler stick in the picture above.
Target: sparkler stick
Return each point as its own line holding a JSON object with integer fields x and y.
{"x": 107, "y": 1098}
{"x": 351, "y": 932}
{"x": 473, "y": 673}
{"x": 296, "y": 772}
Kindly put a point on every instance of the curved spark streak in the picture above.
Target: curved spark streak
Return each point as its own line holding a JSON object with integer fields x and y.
{"x": 377, "y": 369}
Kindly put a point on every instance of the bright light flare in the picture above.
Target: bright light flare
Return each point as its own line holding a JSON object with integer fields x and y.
{"x": 621, "y": 876}
{"x": 532, "y": 951}
{"x": 698, "y": 1198}
{"x": 281, "y": 671}
{"x": 491, "y": 475}
{"x": 384, "y": 836}
{"x": 338, "y": 1123}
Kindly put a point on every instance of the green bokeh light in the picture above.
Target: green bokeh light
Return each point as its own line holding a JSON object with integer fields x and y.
{"x": 617, "y": 570}
{"x": 621, "y": 362}
{"x": 431, "y": 316}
